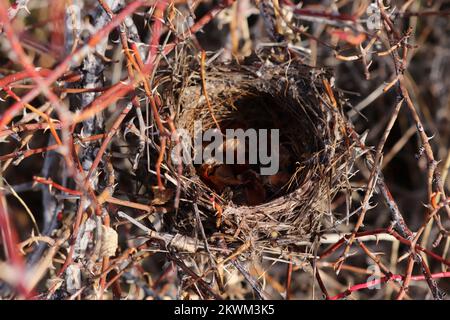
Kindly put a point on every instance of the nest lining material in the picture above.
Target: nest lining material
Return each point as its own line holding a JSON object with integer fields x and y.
{"x": 293, "y": 99}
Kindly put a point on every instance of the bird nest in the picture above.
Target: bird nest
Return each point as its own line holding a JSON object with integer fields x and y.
{"x": 235, "y": 202}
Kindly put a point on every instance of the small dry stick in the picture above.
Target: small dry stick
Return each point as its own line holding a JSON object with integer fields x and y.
{"x": 205, "y": 93}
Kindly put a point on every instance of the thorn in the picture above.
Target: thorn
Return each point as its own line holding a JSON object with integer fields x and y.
{"x": 25, "y": 8}
{"x": 128, "y": 127}
{"x": 115, "y": 41}
{"x": 82, "y": 136}
{"x": 364, "y": 136}
{"x": 427, "y": 206}
{"x": 371, "y": 206}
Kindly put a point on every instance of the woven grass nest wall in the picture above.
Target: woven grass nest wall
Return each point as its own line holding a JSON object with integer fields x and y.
{"x": 286, "y": 210}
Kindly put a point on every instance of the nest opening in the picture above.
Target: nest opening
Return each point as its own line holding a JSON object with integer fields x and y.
{"x": 242, "y": 183}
